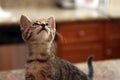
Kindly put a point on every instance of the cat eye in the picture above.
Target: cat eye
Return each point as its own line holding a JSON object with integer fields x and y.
{"x": 34, "y": 24}
{"x": 37, "y": 24}
{"x": 46, "y": 24}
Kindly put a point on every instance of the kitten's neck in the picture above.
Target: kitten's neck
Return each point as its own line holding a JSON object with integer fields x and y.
{"x": 39, "y": 50}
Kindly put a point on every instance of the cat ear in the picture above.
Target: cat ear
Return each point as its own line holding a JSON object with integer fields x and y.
{"x": 51, "y": 21}
{"x": 24, "y": 22}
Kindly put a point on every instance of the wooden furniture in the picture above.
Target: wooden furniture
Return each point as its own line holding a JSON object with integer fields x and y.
{"x": 12, "y": 56}
{"x": 12, "y": 50}
{"x": 112, "y": 39}
{"x": 81, "y": 39}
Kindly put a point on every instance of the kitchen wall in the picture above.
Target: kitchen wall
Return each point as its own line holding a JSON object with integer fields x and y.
{"x": 25, "y": 3}
{"x": 38, "y": 3}
{"x": 114, "y": 3}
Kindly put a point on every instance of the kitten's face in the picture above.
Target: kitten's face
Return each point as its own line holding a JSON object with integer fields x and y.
{"x": 40, "y": 30}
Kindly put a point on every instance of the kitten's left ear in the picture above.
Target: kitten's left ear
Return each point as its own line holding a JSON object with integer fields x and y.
{"x": 24, "y": 22}
{"x": 51, "y": 21}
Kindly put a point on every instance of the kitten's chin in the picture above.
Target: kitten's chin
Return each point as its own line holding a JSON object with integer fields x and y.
{"x": 43, "y": 35}
{"x": 43, "y": 32}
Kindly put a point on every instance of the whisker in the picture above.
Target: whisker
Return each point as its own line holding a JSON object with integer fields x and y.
{"x": 62, "y": 39}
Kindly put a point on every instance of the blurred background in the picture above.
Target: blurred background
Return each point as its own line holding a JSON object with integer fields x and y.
{"x": 88, "y": 27}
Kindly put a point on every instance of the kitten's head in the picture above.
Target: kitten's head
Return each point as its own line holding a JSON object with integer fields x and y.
{"x": 40, "y": 30}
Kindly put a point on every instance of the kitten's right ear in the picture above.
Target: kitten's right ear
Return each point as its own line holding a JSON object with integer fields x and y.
{"x": 24, "y": 22}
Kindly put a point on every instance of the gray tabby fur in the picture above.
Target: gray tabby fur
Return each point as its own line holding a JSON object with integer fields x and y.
{"x": 42, "y": 63}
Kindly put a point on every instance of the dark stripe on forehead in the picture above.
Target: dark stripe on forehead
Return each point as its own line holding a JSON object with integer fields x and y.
{"x": 41, "y": 21}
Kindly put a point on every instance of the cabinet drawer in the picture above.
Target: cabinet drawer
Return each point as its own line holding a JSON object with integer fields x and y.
{"x": 81, "y": 32}
{"x": 79, "y": 53}
{"x": 113, "y": 30}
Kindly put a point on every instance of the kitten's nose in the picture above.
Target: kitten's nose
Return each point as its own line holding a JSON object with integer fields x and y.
{"x": 43, "y": 25}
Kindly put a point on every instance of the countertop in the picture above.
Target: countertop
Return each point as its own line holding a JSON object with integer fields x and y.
{"x": 103, "y": 70}
{"x": 61, "y": 15}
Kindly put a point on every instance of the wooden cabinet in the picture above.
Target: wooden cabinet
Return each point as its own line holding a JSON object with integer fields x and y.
{"x": 81, "y": 39}
{"x": 80, "y": 52}
{"x": 12, "y": 56}
{"x": 81, "y": 32}
{"x": 112, "y": 39}
{"x": 112, "y": 49}
{"x": 112, "y": 30}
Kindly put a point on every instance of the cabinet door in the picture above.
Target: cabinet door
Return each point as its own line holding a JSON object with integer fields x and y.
{"x": 80, "y": 52}
{"x": 112, "y": 39}
{"x": 112, "y": 49}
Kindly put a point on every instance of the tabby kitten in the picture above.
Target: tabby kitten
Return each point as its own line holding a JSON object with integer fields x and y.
{"x": 42, "y": 63}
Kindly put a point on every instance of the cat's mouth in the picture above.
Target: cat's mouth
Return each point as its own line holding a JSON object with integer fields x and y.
{"x": 43, "y": 29}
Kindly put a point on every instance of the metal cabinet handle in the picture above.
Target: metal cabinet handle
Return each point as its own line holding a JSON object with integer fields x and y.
{"x": 81, "y": 33}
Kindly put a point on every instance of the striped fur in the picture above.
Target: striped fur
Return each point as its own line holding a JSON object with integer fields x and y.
{"x": 42, "y": 63}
